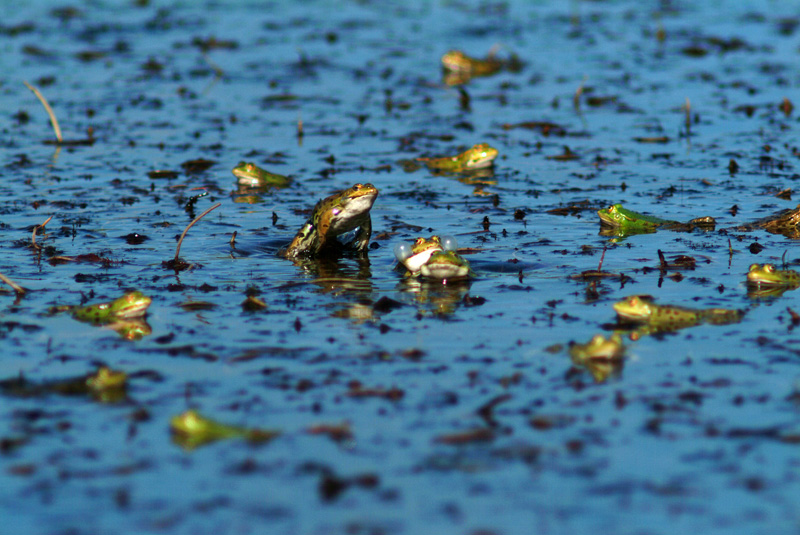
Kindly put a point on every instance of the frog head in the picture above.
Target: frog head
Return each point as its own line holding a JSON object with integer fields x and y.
{"x": 635, "y": 307}
{"x": 130, "y": 305}
{"x": 456, "y": 61}
{"x": 614, "y": 216}
{"x": 480, "y": 156}
{"x": 444, "y": 265}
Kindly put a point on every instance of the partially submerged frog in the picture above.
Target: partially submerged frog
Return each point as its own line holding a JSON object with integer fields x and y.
{"x": 641, "y": 309}
{"x": 601, "y": 356}
{"x": 129, "y": 306}
{"x": 456, "y": 61}
{"x": 767, "y": 276}
{"x": 249, "y": 174}
{"x": 333, "y": 216}
{"x": 445, "y": 266}
{"x": 459, "y": 68}
{"x": 625, "y": 221}
{"x": 478, "y": 157}
{"x": 785, "y": 223}
{"x": 105, "y": 385}
{"x": 598, "y": 348}
{"x": 190, "y": 430}
{"x": 414, "y": 256}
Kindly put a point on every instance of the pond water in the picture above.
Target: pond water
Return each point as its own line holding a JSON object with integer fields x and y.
{"x": 402, "y": 407}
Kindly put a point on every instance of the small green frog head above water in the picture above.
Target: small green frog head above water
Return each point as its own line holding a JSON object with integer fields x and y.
{"x": 444, "y": 266}
{"x": 598, "y": 348}
{"x": 414, "y": 256}
{"x": 767, "y": 275}
{"x": 191, "y": 429}
{"x": 458, "y": 62}
{"x": 106, "y": 379}
{"x": 617, "y": 216}
{"x": 479, "y": 156}
{"x": 130, "y": 305}
{"x": 333, "y": 216}
{"x": 249, "y": 174}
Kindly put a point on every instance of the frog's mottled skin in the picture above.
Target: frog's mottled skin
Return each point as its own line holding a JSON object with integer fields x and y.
{"x": 641, "y": 309}
{"x": 130, "y": 305}
{"x": 333, "y": 216}
{"x": 785, "y": 223}
{"x": 459, "y": 63}
{"x": 444, "y": 266}
{"x": 249, "y": 174}
{"x": 767, "y": 276}
{"x": 598, "y": 348}
{"x": 478, "y": 157}
{"x": 191, "y": 430}
{"x": 630, "y": 222}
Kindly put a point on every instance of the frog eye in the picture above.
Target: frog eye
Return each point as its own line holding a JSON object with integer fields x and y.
{"x": 402, "y": 251}
{"x": 753, "y": 267}
{"x": 448, "y": 243}
{"x": 769, "y": 268}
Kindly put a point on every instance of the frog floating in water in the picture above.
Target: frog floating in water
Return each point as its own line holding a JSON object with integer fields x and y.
{"x": 445, "y": 266}
{"x": 784, "y": 223}
{"x": 766, "y": 281}
{"x": 333, "y": 216}
{"x": 130, "y": 305}
{"x": 460, "y": 68}
{"x": 413, "y": 257}
{"x": 123, "y": 315}
{"x": 601, "y": 356}
{"x": 191, "y": 429}
{"x": 624, "y": 222}
{"x": 105, "y": 385}
{"x": 479, "y": 156}
{"x": 249, "y": 174}
{"x": 640, "y": 309}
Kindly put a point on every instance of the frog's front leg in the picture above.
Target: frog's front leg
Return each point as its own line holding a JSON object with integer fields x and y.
{"x": 361, "y": 242}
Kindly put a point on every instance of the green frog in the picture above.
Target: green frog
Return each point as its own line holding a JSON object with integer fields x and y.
{"x": 417, "y": 254}
{"x": 444, "y": 266}
{"x": 624, "y": 221}
{"x": 479, "y": 156}
{"x": 105, "y": 385}
{"x": 601, "y": 356}
{"x": 129, "y": 306}
{"x": 598, "y": 348}
{"x": 785, "y": 223}
{"x": 458, "y": 62}
{"x": 249, "y": 174}
{"x": 641, "y": 309}
{"x": 767, "y": 276}
{"x": 191, "y": 429}
{"x": 333, "y": 216}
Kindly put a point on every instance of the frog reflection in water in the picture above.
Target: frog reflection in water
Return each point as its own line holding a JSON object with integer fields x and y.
{"x": 623, "y": 221}
{"x": 249, "y": 174}
{"x": 641, "y": 309}
{"x": 190, "y": 430}
{"x": 479, "y": 156}
{"x": 105, "y": 385}
{"x": 333, "y": 216}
